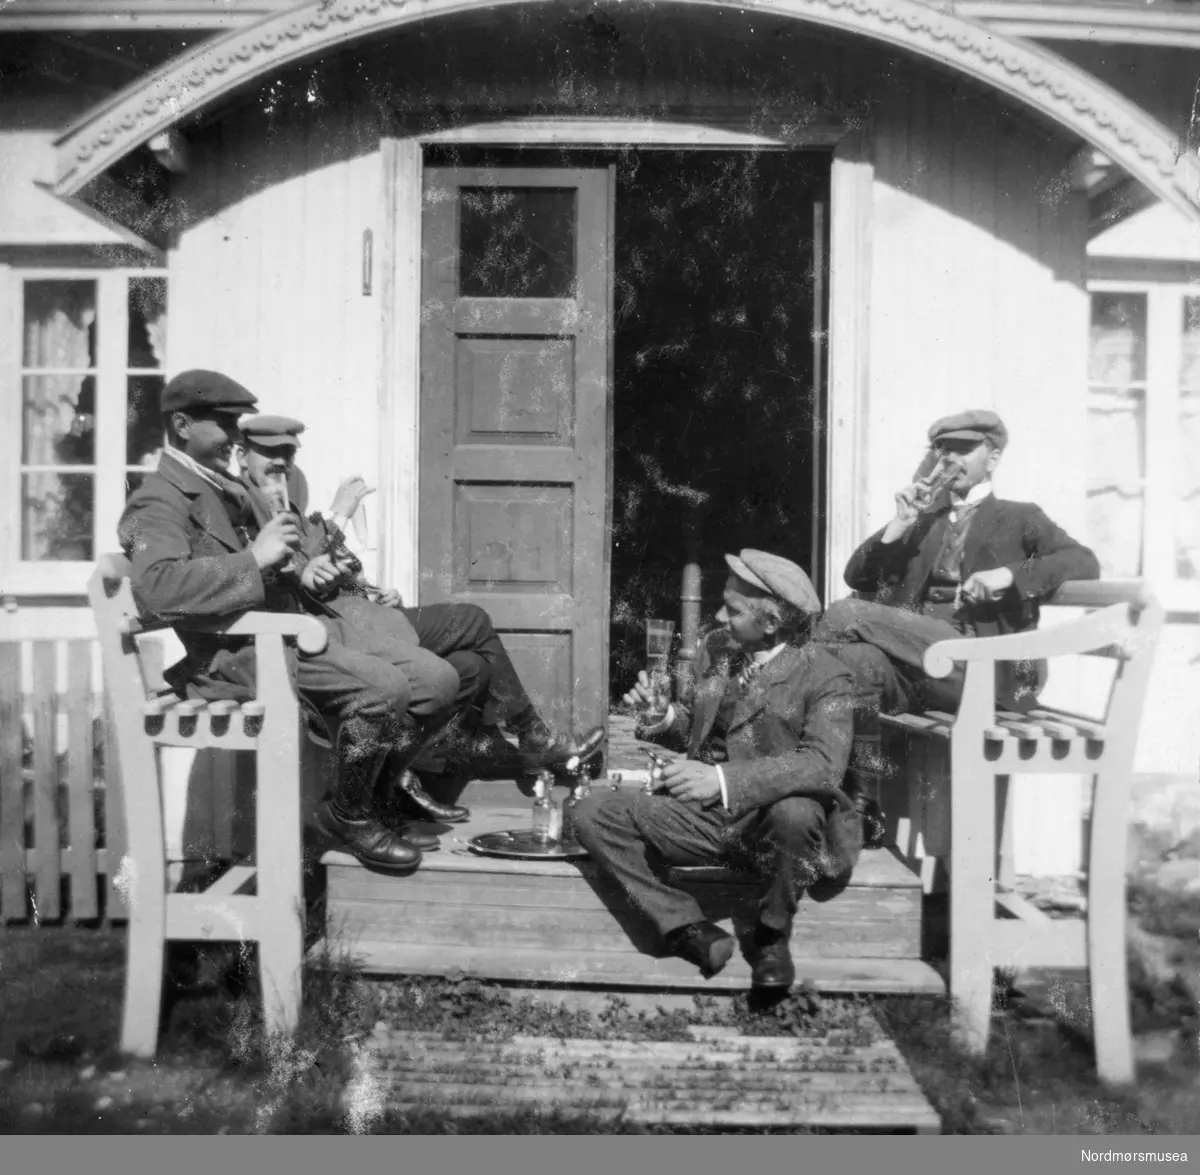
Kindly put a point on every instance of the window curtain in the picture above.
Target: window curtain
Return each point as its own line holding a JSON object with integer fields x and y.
{"x": 59, "y": 419}
{"x": 1187, "y": 460}
{"x": 147, "y": 353}
{"x": 1116, "y": 432}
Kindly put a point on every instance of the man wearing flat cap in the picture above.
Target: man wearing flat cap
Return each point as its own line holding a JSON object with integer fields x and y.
{"x": 460, "y": 635}
{"x": 204, "y": 546}
{"x": 955, "y": 560}
{"x": 767, "y": 738}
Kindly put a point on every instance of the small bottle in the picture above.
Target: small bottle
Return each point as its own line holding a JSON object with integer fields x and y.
{"x": 555, "y": 813}
{"x": 541, "y": 812}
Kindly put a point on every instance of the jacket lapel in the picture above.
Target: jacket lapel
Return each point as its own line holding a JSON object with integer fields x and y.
{"x": 756, "y": 696}
{"x": 207, "y": 510}
{"x": 928, "y": 549}
{"x": 710, "y": 688}
{"x": 979, "y": 532}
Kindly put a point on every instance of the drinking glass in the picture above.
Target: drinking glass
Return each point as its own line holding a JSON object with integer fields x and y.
{"x": 275, "y": 491}
{"x": 659, "y": 636}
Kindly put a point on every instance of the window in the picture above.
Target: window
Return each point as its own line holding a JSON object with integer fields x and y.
{"x": 1144, "y": 442}
{"x": 80, "y": 419}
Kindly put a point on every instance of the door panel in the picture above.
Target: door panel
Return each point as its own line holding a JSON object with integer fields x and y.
{"x": 515, "y": 353}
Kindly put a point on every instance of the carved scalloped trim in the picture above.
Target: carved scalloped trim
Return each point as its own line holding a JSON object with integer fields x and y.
{"x": 1064, "y": 92}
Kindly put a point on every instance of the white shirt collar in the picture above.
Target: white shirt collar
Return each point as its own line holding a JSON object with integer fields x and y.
{"x": 974, "y": 496}
{"x": 764, "y": 655}
{"x": 189, "y": 463}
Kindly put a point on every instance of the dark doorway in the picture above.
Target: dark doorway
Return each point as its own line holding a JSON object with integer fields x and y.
{"x": 718, "y": 345}
{"x": 719, "y": 315}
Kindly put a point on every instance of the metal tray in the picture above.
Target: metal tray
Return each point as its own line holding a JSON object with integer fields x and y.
{"x": 520, "y": 843}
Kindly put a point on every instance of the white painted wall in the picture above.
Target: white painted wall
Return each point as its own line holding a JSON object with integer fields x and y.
{"x": 977, "y": 298}
{"x": 268, "y": 290}
{"x": 1170, "y": 735}
{"x": 29, "y": 215}
{"x": 1158, "y": 233}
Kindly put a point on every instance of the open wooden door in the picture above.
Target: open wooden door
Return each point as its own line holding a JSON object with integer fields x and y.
{"x": 515, "y": 424}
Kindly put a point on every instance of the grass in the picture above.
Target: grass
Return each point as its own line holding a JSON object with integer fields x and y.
{"x": 216, "y": 1072}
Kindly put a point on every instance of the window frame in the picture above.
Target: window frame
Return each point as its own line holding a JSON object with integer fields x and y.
{"x": 1162, "y": 401}
{"x": 53, "y": 578}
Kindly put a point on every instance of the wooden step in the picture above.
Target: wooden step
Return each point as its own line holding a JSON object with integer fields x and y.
{"x": 564, "y": 922}
{"x": 629, "y": 969}
{"x": 452, "y": 901}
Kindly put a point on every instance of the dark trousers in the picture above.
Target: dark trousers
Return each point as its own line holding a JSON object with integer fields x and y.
{"x": 379, "y": 695}
{"x": 464, "y": 635}
{"x": 453, "y": 660}
{"x": 884, "y": 647}
{"x": 633, "y": 837}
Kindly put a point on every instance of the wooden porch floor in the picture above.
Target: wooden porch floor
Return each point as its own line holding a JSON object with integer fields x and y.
{"x": 561, "y": 923}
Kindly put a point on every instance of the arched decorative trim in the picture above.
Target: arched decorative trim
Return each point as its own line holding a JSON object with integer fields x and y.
{"x": 1031, "y": 75}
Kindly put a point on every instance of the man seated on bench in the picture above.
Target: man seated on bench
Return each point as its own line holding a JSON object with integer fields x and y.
{"x": 955, "y": 562}
{"x": 201, "y": 550}
{"x": 767, "y": 741}
{"x": 462, "y": 634}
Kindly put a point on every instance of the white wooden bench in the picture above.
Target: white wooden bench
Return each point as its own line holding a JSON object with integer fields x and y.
{"x": 958, "y": 768}
{"x": 258, "y": 900}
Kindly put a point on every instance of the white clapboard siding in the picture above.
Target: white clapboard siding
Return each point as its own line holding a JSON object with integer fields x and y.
{"x": 267, "y": 281}
{"x": 976, "y": 296}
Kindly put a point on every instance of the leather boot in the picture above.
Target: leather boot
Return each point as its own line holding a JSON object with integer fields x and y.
{"x": 874, "y": 826}
{"x": 771, "y": 960}
{"x": 702, "y": 943}
{"x": 427, "y": 842}
{"x": 368, "y": 840}
{"x": 542, "y": 750}
{"x": 406, "y": 793}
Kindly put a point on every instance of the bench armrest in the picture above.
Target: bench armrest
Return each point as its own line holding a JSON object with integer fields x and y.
{"x": 1112, "y": 627}
{"x": 111, "y": 582}
{"x": 1099, "y": 593}
{"x": 308, "y": 631}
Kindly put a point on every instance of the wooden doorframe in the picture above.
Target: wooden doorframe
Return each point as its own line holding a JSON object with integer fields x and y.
{"x": 851, "y": 191}
{"x": 851, "y": 183}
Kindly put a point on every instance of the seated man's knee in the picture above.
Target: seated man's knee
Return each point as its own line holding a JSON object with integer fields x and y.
{"x": 868, "y": 665}
{"x": 841, "y": 614}
{"x": 601, "y": 807}
{"x": 473, "y": 672}
{"x": 442, "y": 684}
{"x": 474, "y": 620}
{"x": 387, "y": 697}
{"x": 850, "y": 620}
{"x": 795, "y": 820}
{"x": 586, "y": 811}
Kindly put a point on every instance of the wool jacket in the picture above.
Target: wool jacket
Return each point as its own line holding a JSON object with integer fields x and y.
{"x": 788, "y": 734}
{"x": 191, "y": 563}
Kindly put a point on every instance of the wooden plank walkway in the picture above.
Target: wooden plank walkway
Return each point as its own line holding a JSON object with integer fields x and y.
{"x": 718, "y": 1079}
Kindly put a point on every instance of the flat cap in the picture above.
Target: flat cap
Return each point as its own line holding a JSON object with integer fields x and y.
{"x": 206, "y": 390}
{"x": 777, "y": 576}
{"x": 976, "y": 424}
{"x": 271, "y": 432}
